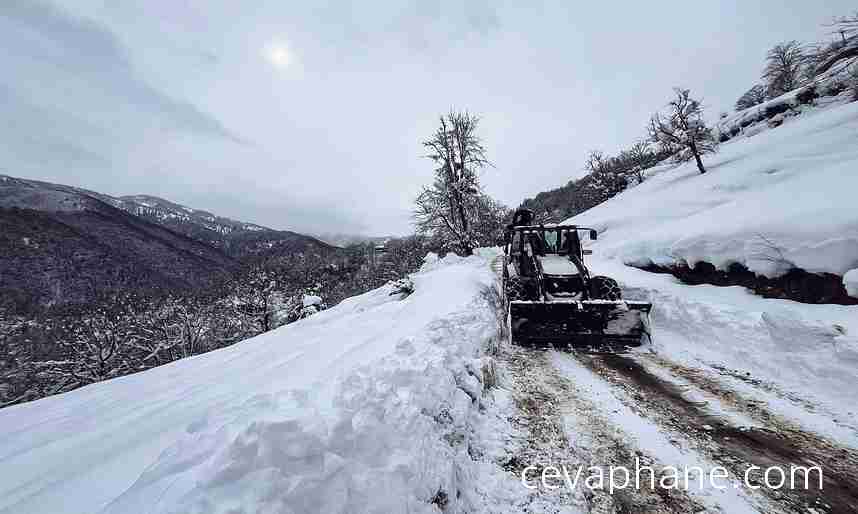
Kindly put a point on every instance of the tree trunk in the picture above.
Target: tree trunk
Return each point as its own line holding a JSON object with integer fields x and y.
{"x": 700, "y": 167}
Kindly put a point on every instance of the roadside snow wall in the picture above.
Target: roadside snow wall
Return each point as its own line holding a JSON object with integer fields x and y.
{"x": 365, "y": 407}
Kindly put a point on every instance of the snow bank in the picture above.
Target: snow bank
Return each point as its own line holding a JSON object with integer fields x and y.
{"x": 784, "y": 198}
{"x": 364, "y": 407}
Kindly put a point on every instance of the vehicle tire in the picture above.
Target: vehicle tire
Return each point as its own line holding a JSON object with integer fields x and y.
{"x": 514, "y": 289}
{"x": 605, "y": 288}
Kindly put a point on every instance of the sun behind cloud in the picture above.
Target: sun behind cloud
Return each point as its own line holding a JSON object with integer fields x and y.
{"x": 279, "y": 54}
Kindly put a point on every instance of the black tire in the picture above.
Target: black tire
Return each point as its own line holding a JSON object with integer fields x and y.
{"x": 514, "y": 289}
{"x": 605, "y": 288}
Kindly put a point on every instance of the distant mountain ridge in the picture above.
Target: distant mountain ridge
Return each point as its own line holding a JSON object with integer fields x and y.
{"x": 60, "y": 244}
{"x": 152, "y": 206}
{"x": 237, "y": 238}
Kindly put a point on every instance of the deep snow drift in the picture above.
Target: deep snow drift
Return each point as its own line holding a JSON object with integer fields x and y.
{"x": 784, "y": 197}
{"x": 351, "y": 410}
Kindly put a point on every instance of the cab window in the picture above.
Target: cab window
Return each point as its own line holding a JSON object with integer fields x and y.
{"x": 551, "y": 240}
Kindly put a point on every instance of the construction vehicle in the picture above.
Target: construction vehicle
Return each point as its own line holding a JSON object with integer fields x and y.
{"x": 554, "y": 301}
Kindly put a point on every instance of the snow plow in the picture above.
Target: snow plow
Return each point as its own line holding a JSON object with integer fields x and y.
{"x": 554, "y": 302}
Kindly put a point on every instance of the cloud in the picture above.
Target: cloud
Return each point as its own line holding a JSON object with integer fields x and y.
{"x": 65, "y": 64}
{"x": 96, "y": 93}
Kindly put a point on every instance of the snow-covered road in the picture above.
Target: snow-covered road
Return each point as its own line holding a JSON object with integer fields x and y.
{"x": 692, "y": 402}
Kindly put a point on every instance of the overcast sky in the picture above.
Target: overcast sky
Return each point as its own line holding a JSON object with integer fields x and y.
{"x": 310, "y": 117}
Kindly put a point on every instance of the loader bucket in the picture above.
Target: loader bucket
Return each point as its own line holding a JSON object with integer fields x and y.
{"x": 593, "y": 325}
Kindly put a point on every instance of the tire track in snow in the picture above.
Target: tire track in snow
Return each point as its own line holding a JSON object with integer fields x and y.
{"x": 836, "y": 460}
{"x": 757, "y": 407}
{"x": 843, "y": 428}
{"x": 565, "y": 429}
{"x": 734, "y": 447}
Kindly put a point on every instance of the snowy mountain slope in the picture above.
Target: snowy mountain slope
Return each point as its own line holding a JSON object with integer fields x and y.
{"x": 165, "y": 210}
{"x": 361, "y": 408}
{"x": 56, "y": 243}
{"x": 237, "y": 238}
{"x": 782, "y": 198}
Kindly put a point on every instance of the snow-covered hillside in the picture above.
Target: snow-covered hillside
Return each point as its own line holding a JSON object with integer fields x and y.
{"x": 351, "y": 410}
{"x": 784, "y": 197}
{"x": 781, "y": 198}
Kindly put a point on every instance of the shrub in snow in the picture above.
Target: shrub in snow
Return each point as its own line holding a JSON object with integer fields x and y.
{"x": 311, "y": 304}
{"x": 776, "y": 120}
{"x": 834, "y": 88}
{"x": 303, "y": 305}
{"x": 754, "y": 96}
{"x": 807, "y": 95}
{"x": 257, "y": 299}
{"x": 774, "y": 109}
{"x": 403, "y": 286}
{"x": 310, "y": 300}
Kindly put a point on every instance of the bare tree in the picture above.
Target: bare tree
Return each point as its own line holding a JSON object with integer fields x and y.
{"x": 683, "y": 127}
{"x": 783, "y": 69}
{"x": 596, "y": 162}
{"x": 450, "y": 205}
{"x": 96, "y": 343}
{"x": 175, "y": 328}
{"x": 257, "y": 300}
{"x": 754, "y": 96}
{"x": 490, "y": 220}
{"x": 639, "y": 158}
